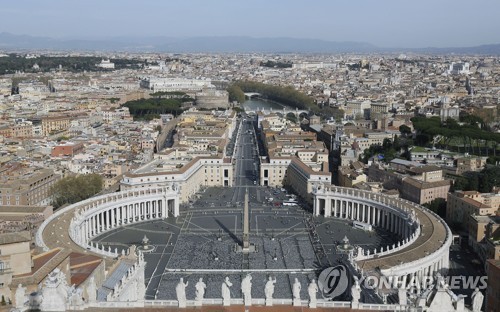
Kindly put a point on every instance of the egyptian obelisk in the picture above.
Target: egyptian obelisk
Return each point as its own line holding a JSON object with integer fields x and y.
{"x": 246, "y": 225}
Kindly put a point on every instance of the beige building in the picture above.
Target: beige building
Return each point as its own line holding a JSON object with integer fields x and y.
{"x": 188, "y": 171}
{"x": 302, "y": 178}
{"x": 420, "y": 184}
{"x": 462, "y": 204}
{"x": 21, "y": 131}
{"x": 274, "y": 172}
{"x": 424, "y": 184}
{"x": 25, "y": 185}
{"x": 196, "y": 158}
{"x": 351, "y": 175}
{"x": 492, "y": 295}
{"x": 466, "y": 164}
{"x": 295, "y": 158}
{"x": 23, "y": 218}
{"x": 54, "y": 124}
{"x": 15, "y": 259}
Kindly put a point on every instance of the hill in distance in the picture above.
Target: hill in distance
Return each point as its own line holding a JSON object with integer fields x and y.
{"x": 235, "y": 44}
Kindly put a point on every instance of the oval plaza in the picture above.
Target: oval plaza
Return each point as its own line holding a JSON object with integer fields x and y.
{"x": 212, "y": 221}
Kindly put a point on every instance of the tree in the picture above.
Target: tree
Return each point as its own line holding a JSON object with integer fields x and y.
{"x": 72, "y": 189}
{"x": 488, "y": 178}
{"x": 405, "y": 130}
{"x": 482, "y": 181}
{"x": 291, "y": 117}
{"x": 438, "y": 206}
{"x": 236, "y": 94}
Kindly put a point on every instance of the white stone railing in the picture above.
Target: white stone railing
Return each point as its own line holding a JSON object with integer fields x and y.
{"x": 321, "y": 303}
{"x": 389, "y": 249}
{"x": 401, "y": 208}
{"x": 442, "y": 253}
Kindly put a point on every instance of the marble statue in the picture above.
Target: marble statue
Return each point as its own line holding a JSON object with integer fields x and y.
{"x": 355, "y": 291}
{"x": 180, "y": 291}
{"x": 312, "y": 289}
{"x": 296, "y": 293}
{"x": 20, "y": 296}
{"x": 460, "y": 303}
{"x": 91, "y": 291}
{"x": 200, "y": 290}
{"x": 246, "y": 289}
{"x": 54, "y": 292}
{"x": 402, "y": 296}
{"x": 226, "y": 292}
{"x": 132, "y": 251}
{"x": 269, "y": 290}
{"x": 76, "y": 297}
{"x": 359, "y": 251}
{"x": 477, "y": 300}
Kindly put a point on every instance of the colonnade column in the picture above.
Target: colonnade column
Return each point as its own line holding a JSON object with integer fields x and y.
{"x": 176, "y": 207}
{"x": 328, "y": 207}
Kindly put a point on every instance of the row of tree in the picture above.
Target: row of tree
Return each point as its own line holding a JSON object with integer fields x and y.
{"x": 397, "y": 148}
{"x": 147, "y": 109}
{"x": 274, "y": 64}
{"x": 471, "y": 130}
{"x": 235, "y": 94}
{"x": 72, "y": 189}
{"x": 14, "y": 62}
{"x": 482, "y": 181}
{"x": 286, "y": 95}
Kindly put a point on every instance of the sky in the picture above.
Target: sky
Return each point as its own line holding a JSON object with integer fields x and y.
{"x": 384, "y": 23}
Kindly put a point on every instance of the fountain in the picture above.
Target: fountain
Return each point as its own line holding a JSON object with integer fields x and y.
{"x": 345, "y": 247}
{"x": 145, "y": 245}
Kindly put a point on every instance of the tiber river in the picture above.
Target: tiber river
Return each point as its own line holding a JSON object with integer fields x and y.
{"x": 254, "y": 104}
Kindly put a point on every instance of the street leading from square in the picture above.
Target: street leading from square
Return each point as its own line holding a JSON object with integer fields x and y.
{"x": 290, "y": 243}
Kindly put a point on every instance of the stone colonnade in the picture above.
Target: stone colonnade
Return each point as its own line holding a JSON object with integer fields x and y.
{"x": 392, "y": 214}
{"x": 110, "y": 211}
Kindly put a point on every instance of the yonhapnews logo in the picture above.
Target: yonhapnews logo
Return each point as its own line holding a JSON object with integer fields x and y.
{"x": 333, "y": 281}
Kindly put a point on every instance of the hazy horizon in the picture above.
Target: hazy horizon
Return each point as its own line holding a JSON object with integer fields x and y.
{"x": 388, "y": 24}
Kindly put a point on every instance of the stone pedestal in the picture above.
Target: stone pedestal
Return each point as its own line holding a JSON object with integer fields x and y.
{"x": 297, "y": 302}
{"x": 269, "y": 302}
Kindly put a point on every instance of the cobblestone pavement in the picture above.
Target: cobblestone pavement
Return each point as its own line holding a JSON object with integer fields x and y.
{"x": 206, "y": 234}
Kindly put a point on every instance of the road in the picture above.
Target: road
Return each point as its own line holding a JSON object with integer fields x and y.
{"x": 246, "y": 159}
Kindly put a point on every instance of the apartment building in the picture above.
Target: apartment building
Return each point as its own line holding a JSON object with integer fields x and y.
{"x": 188, "y": 171}
{"x": 15, "y": 259}
{"x": 415, "y": 182}
{"x": 295, "y": 158}
{"x": 55, "y": 124}
{"x": 462, "y": 204}
{"x": 466, "y": 164}
{"x": 26, "y": 185}
{"x": 492, "y": 295}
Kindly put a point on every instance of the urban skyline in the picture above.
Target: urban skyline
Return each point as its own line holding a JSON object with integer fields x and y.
{"x": 266, "y": 156}
{"x": 392, "y": 24}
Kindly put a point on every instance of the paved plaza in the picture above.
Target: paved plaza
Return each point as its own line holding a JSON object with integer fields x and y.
{"x": 202, "y": 243}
